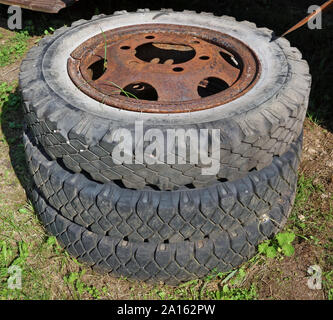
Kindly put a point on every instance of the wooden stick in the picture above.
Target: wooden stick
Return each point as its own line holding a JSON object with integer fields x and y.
{"x": 312, "y": 15}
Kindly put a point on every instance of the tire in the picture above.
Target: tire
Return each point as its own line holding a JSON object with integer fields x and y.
{"x": 253, "y": 208}
{"x": 71, "y": 126}
{"x": 171, "y": 263}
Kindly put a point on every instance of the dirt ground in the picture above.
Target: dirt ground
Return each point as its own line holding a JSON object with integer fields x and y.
{"x": 51, "y": 274}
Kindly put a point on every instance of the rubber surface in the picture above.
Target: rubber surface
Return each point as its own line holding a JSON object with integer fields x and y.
{"x": 252, "y": 208}
{"x": 254, "y": 128}
{"x": 171, "y": 263}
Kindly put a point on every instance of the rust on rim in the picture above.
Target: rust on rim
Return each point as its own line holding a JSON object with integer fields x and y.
{"x": 162, "y": 68}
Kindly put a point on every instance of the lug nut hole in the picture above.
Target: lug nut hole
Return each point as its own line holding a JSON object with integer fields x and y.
{"x": 178, "y": 69}
{"x": 204, "y": 58}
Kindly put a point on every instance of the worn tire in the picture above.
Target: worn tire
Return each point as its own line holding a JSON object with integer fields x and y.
{"x": 171, "y": 263}
{"x": 77, "y": 129}
{"x": 254, "y": 207}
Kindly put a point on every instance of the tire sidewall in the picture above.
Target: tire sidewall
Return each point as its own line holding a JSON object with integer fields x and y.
{"x": 270, "y": 54}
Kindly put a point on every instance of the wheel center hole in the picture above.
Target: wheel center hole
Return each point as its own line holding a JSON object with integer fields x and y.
{"x": 164, "y": 53}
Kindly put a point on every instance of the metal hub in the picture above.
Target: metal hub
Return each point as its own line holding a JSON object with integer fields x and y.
{"x": 163, "y": 68}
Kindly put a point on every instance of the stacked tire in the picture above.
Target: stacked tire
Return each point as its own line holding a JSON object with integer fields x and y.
{"x": 163, "y": 222}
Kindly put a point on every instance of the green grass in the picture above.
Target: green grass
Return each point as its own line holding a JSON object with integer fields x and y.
{"x": 14, "y": 48}
{"x": 236, "y": 294}
{"x": 126, "y": 93}
{"x": 5, "y": 90}
{"x": 80, "y": 288}
{"x": 48, "y": 272}
{"x": 15, "y": 250}
{"x": 328, "y": 283}
{"x": 281, "y": 244}
{"x": 216, "y": 286}
{"x": 11, "y": 121}
{"x": 304, "y": 213}
{"x": 23, "y": 242}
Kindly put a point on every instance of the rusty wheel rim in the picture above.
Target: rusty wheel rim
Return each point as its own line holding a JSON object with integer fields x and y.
{"x": 163, "y": 68}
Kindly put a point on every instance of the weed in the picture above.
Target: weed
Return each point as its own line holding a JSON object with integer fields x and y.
{"x": 23, "y": 253}
{"x": 26, "y": 209}
{"x": 79, "y": 287}
{"x": 313, "y": 118}
{"x": 305, "y": 188}
{"x": 49, "y": 31}
{"x": 239, "y": 278}
{"x": 282, "y": 243}
{"x": 9, "y": 98}
{"x": 126, "y": 93}
{"x": 328, "y": 283}
{"x": 52, "y": 244}
{"x": 14, "y": 48}
{"x": 304, "y": 209}
{"x": 11, "y": 257}
{"x": 5, "y": 90}
{"x": 330, "y": 294}
{"x": 228, "y": 293}
{"x": 105, "y": 64}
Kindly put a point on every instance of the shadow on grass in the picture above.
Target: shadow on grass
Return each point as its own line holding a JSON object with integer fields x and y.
{"x": 12, "y": 127}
